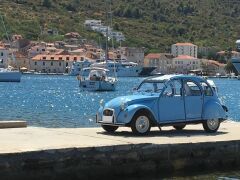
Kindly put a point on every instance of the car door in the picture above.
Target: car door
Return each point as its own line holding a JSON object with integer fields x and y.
{"x": 193, "y": 100}
{"x": 171, "y": 103}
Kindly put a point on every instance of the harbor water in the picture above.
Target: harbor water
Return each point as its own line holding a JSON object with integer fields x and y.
{"x": 57, "y": 101}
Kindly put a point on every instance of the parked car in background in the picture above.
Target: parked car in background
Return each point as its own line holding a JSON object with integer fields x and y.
{"x": 169, "y": 100}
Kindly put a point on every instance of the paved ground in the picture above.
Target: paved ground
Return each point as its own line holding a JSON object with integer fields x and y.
{"x": 34, "y": 139}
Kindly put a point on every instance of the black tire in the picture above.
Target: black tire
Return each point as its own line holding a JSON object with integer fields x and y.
{"x": 179, "y": 127}
{"x": 110, "y": 129}
{"x": 141, "y": 123}
{"x": 211, "y": 125}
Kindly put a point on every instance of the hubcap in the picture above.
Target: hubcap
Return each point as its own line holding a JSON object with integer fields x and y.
{"x": 142, "y": 124}
{"x": 213, "y": 123}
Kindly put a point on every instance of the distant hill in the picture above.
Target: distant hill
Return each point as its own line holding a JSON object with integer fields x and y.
{"x": 154, "y": 24}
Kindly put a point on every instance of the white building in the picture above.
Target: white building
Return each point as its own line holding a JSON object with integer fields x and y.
{"x": 161, "y": 61}
{"x": 4, "y": 54}
{"x": 117, "y": 35}
{"x": 184, "y": 49}
{"x": 90, "y": 23}
{"x": 184, "y": 63}
{"x": 53, "y": 63}
{"x": 38, "y": 49}
{"x": 238, "y": 45}
{"x": 133, "y": 54}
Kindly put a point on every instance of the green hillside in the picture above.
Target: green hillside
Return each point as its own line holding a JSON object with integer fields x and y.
{"x": 154, "y": 24}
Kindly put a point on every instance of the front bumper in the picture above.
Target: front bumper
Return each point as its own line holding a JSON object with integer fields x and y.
{"x": 108, "y": 117}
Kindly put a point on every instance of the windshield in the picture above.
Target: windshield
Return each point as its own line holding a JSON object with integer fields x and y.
{"x": 153, "y": 87}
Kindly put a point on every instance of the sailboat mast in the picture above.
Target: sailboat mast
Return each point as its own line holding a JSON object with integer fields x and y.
{"x": 106, "y": 50}
{"x": 8, "y": 39}
{"x": 114, "y": 70}
{"x": 5, "y": 29}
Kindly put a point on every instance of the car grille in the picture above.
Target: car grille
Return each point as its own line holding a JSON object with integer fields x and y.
{"x": 108, "y": 112}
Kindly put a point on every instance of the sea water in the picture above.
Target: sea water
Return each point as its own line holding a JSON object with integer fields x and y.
{"x": 57, "y": 101}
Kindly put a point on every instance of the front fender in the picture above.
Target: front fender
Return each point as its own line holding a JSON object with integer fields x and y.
{"x": 126, "y": 115}
{"x": 212, "y": 110}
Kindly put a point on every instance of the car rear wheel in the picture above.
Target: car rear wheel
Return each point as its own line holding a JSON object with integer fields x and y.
{"x": 109, "y": 128}
{"x": 211, "y": 125}
{"x": 180, "y": 127}
{"x": 141, "y": 124}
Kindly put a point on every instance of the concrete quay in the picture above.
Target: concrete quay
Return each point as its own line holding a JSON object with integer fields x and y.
{"x": 91, "y": 153}
{"x": 12, "y": 124}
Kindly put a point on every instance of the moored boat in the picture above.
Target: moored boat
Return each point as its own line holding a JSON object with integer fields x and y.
{"x": 97, "y": 80}
{"x": 8, "y": 75}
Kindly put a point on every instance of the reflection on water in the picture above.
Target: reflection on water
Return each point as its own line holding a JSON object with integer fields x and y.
{"x": 57, "y": 101}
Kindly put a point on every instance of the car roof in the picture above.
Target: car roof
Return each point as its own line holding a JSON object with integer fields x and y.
{"x": 165, "y": 78}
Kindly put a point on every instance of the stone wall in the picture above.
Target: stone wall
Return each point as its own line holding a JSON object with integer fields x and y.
{"x": 143, "y": 160}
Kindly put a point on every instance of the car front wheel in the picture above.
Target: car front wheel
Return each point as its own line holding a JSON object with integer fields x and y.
{"x": 141, "y": 124}
{"x": 211, "y": 125}
{"x": 109, "y": 128}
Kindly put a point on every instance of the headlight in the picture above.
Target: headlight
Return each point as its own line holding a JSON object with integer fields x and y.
{"x": 124, "y": 105}
{"x": 101, "y": 102}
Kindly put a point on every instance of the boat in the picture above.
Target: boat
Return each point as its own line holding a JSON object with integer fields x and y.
{"x": 236, "y": 63}
{"x": 9, "y": 75}
{"x": 120, "y": 68}
{"x": 77, "y": 66}
{"x": 123, "y": 68}
{"x": 97, "y": 80}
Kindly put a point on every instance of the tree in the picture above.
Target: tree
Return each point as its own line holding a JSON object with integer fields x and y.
{"x": 47, "y": 3}
{"x": 230, "y": 68}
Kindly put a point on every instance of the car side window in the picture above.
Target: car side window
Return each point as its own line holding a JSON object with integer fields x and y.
{"x": 168, "y": 92}
{"x": 177, "y": 88}
{"x": 206, "y": 89}
{"x": 191, "y": 89}
{"x": 174, "y": 88}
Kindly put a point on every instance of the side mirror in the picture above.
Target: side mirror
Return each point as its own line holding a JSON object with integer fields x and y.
{"x": 134, "y": 89}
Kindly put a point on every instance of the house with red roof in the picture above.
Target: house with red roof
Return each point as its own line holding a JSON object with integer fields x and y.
{"x": 185, "y": 63}
{"x": 212, "y": 67}
{"x": 54, "y": 63}
{"x": 161, "y": 61}
{"x": 184, "y": 49}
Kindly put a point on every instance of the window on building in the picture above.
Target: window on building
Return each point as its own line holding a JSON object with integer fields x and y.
{"x": 60, "y": 58}
{"x": 52, "y": 58}
{"x": 67, "y": 58}
{"x": 75, "y": 58}
{"x": 35, "y": 63}
{"x": 1, "y": 53}
{"x": 60, "y": 64}
{"x": 66, "y": 64}
{"x": 43, "y": 63}
{"x": 51, "y": 63}
{"x": 44, "y": 57}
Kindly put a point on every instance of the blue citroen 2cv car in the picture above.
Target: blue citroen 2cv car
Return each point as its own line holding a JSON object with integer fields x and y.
{"x": 169, "y": 100}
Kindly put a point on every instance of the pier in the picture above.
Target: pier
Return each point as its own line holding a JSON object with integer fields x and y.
{"x": 91, "y": 153}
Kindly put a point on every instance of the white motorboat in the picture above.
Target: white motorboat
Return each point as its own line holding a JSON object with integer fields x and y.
{"x": 97, "y": 80}
{"x": 120, "y": 68}
{"x": 78, "y": 66}
{"x": 8, "y": 75}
